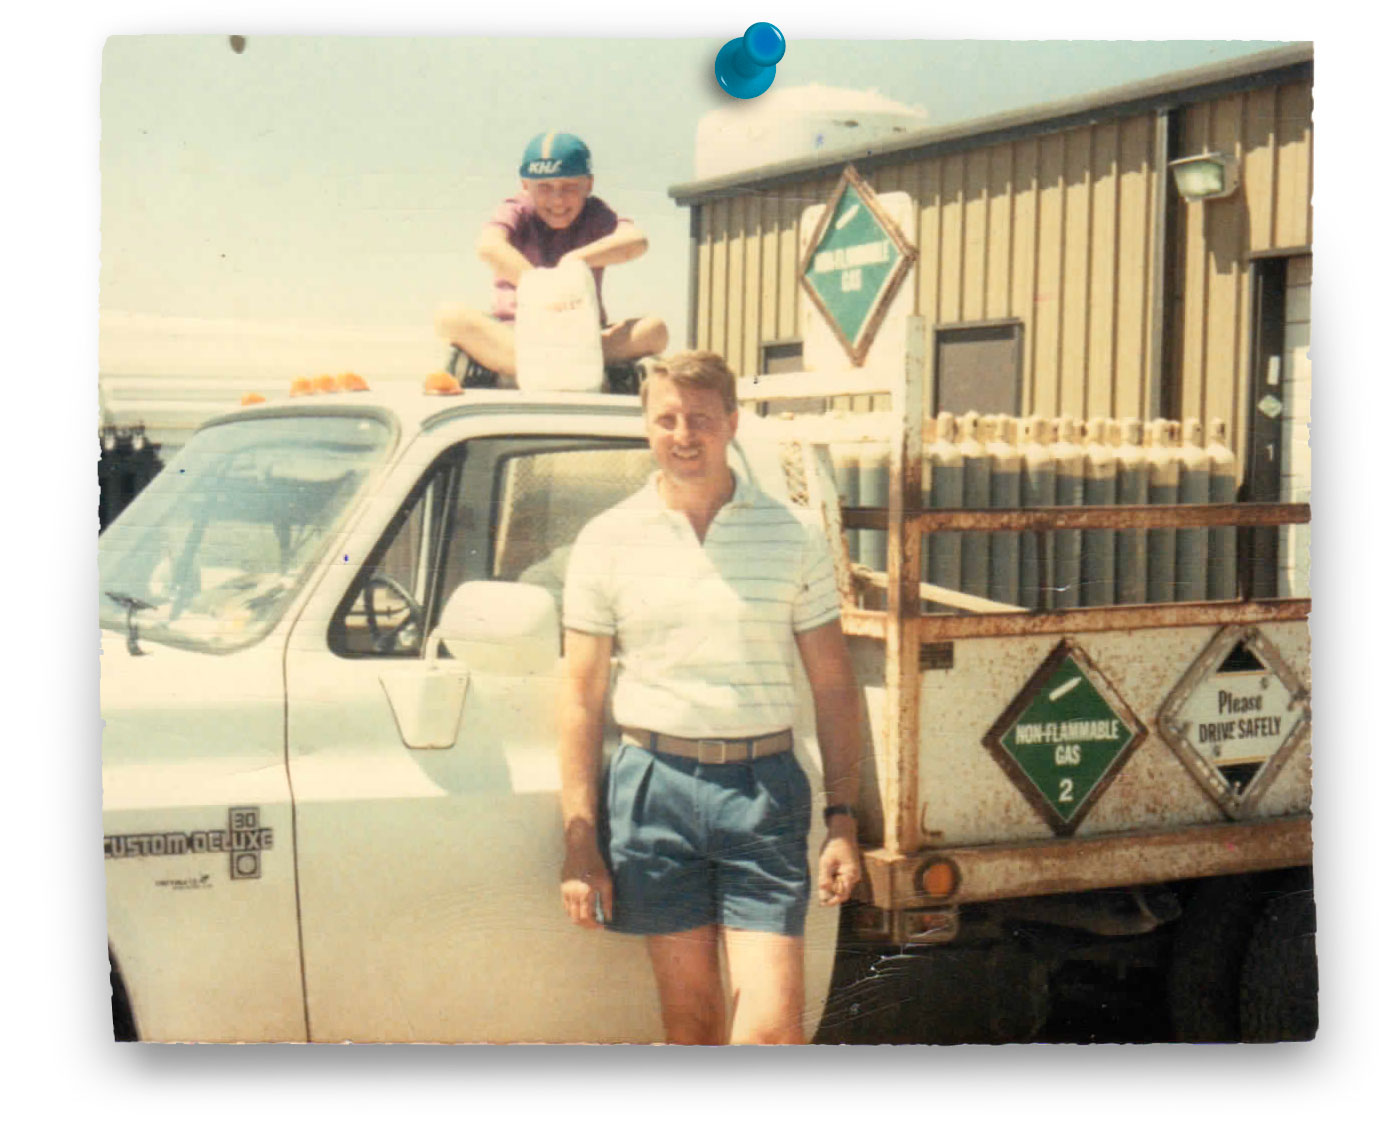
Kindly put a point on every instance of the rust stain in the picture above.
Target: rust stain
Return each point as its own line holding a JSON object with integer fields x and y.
{"x": 1030, "y": 869}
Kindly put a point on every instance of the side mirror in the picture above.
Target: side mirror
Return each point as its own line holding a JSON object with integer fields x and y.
{"x": 500, "y": 628}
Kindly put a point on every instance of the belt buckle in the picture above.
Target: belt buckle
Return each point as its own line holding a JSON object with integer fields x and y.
{"x": 706, "y": 748}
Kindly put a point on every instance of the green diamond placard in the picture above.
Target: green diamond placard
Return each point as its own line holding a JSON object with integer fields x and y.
{"x": 1065, "y": 737}
{"x": 855, "y": 262}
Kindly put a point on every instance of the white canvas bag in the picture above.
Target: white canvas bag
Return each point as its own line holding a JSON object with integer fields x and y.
{"x": 557, "y": 330}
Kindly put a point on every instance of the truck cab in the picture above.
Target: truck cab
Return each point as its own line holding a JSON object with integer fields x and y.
{"x": 330, "y": 653}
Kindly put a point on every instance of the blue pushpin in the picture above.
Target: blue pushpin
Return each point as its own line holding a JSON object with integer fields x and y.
{"x": 746, "y": 67}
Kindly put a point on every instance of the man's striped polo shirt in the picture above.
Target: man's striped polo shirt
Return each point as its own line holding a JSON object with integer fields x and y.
{"x": 704, "y": 633}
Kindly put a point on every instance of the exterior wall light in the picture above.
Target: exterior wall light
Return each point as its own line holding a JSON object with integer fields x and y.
{"x": 1201, "y": 177}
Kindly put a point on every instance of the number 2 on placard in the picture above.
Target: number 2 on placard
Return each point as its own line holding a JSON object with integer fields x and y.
{"x": 1064, "y": 790}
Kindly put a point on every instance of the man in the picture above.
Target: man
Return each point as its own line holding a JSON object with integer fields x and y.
{"x": 554, "y": 219}
{"x": 706, "y": 589}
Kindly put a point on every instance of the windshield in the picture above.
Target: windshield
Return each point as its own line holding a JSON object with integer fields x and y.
{"x": 212, "y": 551}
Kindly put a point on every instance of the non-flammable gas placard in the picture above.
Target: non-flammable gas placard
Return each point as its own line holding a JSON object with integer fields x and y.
{"x": 1064, "y": 737}
{"x": 856, "y": 259}
{"x": 1235, "y": 718}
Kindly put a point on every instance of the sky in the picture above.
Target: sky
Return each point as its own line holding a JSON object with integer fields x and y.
{"x": 305, "y": 205}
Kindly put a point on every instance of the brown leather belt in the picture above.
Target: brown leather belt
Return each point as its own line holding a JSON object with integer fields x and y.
{"x": 709, "y": 750}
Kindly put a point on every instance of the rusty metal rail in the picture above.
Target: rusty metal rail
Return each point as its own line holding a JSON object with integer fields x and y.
{"x": 1097, "y": 516}
{"x": 1013, "y": 870}
{"x": 1118, "y": 618}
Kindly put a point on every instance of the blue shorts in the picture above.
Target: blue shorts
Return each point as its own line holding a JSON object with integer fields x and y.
{"x": 691, "y": 844}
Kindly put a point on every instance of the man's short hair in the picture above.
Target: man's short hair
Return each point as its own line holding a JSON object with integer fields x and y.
{"x": 694, "y": 369}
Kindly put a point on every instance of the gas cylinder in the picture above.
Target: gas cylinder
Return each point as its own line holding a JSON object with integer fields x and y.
{"x": 1161, "y": 543}
{"x": 844, "y": 459}
{"x": 1069, "y": 463}
{"x": 945, "y": 464}
{"x": 1006, "y": 472}
{"x": 1222, "y": 489}
{"x": 1132, "y": 487}
{"x": 875, "y": 460}
{"x": 1191, "y": 554}
{"x": 1037, "y": 491}
{"x": 1099, "y": 544}
{"x": 975, "y": 546}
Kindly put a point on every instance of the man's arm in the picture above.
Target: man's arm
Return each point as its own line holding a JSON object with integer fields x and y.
{"x": 623, "y": 244}
{"x": 495, "y": 249}
{"x": 825, "y": 656}
{"x": 581, "y": 719}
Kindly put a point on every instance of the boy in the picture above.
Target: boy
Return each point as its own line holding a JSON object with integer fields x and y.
{"x": 554, "y": 218}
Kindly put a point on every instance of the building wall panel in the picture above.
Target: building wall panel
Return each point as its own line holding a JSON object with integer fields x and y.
{"x": 718, "y": 300}
{"x": 1293, "y": 166}
{"x": 1047, "y": 313}
{"x": 1268, "y": 131}
{"x": 1056, "y": 230}
{"x": 1103, "y": 284}
{"x": 1076, "y": 276}
{"x": 752, "y": 271}
{"x": 1025, "y": 212}
{"x": 773, "y": 272}
{"x": 952, "y": 254}
{"x": 1134, "y": 269}
{"x": 974, "y": 276}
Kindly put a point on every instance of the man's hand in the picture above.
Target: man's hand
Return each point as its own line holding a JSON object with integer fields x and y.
{"x": 839, "y": 869}
{"x": 586, "y": 882}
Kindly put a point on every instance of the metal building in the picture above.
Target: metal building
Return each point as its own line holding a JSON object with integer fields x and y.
{"x": 1061, "y": 270}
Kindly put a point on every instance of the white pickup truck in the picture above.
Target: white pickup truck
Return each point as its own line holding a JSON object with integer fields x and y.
{"x": 330, "y": 650}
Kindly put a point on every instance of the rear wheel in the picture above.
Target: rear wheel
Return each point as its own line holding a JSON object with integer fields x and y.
{"x": 1280, "y": 975}
{"x": 123, "y": 1022}
{"x": 1205, "y": 966}
{"x": 993, "y": 994}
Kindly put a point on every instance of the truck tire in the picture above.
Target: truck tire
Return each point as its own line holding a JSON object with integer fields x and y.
{"x": 123, "y": 1021}
{"x": 1205, "y": 966}
{"x": 1280, "y": 977}
{"x": 944, "y": 995}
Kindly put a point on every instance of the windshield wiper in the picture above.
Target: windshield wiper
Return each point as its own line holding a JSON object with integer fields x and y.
{"x": 132, "y": 606}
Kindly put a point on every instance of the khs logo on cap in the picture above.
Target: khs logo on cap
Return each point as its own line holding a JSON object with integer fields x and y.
{"x": 545, "y": 166}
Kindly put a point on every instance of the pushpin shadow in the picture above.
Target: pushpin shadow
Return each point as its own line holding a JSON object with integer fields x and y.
{"x": 745, "y": 67}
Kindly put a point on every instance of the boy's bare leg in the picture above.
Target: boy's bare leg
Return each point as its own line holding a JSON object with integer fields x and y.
{"x": 690, "y": 980}
{"x": 633, "y": 338}
{"x": 490, "y": 342}
{"x": 767, "y": 972}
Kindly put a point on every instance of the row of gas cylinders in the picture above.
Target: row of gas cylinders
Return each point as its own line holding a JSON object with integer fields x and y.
{"x": 1003, "y": 462}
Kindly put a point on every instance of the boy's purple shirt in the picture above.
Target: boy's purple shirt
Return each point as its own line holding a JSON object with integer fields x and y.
{"x": 544, "y": 246}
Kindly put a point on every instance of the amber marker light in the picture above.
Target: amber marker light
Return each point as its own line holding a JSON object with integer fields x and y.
{"x": 325, "y": 384}
{"x": 253, "y": 399}
{"x": 939, "y": 878}
{"x": 302, "y": 387}
{"x": 352, "y": 383}
{"x": 441, "y": 384}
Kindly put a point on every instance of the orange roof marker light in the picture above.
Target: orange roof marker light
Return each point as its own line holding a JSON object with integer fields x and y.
{"x": 352, "y": 383}
{"x": 253, "y": 399}
{"x": 302, "y": 387}
{"x": 325, "y": 384}
{"x": 441, "y": 384}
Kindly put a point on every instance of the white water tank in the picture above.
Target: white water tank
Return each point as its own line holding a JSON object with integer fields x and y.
{"x": 795, "y": 123}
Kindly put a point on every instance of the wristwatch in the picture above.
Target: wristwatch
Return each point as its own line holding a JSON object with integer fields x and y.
{"x": 838, "y": 808}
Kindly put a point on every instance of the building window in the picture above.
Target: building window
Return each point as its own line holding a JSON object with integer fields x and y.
{"x": 979, "y": 367}
{"x": 782, "y": 357}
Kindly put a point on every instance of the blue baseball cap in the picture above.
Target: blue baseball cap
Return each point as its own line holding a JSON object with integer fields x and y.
{"x": 555, "y": 155}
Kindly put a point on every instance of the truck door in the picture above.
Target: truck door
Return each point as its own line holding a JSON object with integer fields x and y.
{"x": 428, "y": 876}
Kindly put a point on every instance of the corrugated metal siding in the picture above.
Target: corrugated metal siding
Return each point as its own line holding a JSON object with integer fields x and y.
{"x": 1054, "y": 232}
{"x": 1270, "y": 129}
{"x": 1057, "y": 231}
